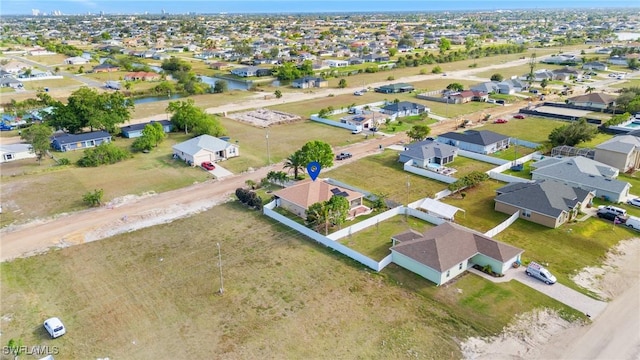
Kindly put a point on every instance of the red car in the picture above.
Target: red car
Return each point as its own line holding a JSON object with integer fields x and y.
{"x": 501, "y": 121}
{"x": 518, "y": 116}
{"x": 207, "y": 165}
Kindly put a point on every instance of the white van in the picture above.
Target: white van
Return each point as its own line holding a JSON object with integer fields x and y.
{"x": 539, "y": 272}
{"x": 614, "y": 210}
{"x": 633, "y": 222}
{"x": 54, "y": 327}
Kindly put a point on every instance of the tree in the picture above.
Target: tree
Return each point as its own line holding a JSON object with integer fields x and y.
{"x": 544, "y": 83}
{"x": 334, "y": 211}
{"x": 342, "y": 83}
{"x": 152, "y": 135}
{"x": 88, "y": 108}
{"x": 393, "y": 52}
{"x": 105, "y": 153}
{"x": 589, "y": 89}
{"x": 633, "y": 63}
{"x": 295, "y": 162}
{"x": 338, "y": 209}
{"x": 186, "y": 116}
{"x": 455, "y": 87}
{"x": 278, "y": 94}
{"x": 445, "y": 44}
{"x": 572, "y": 134}
{"x": 418, "y": 132}
{"x": 220, "y": 87}
{"x": 532, "y": 65}
{"x": 15, "y": 347}
{"x": 93, "y": 198}
{"x": 469, "y": 42}
{"x": 38, "y": 135}
{"x": 436, "y": 70}
{"x": 497, "y": 77}
{"x": 317, "y": 151}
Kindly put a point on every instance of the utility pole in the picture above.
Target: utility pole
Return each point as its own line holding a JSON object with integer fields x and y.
{"x": 268, "y": 152}
{"x": 220, "y": 266}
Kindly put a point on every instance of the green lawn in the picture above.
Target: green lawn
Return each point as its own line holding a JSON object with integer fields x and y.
{"x": 383, "y": 174}
{"x": 627, "y": 84}
{"x": 466, "y": 165}
{"x": 51, "y": 83}
{"x": 534, "y": 129}
{"x": 375, "y": 241}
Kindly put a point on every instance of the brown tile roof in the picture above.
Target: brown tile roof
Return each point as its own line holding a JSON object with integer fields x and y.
{"x": 448, "y": 244}
{"x": 307, "y": 193}
{"x": 597, "y": 98}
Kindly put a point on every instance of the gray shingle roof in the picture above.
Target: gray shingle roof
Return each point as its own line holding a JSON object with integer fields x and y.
{"x": 403, "y": 106}
{"x": 72, "y": 138}
{"x": 206, "y": 142}
{"x": 623, "y": 144}
{"x": 429, "y": 149}
{"x": 448, "y": 244}
{"x": 545, "y": 197}
{"x": 482, "y": 137}
{"x": 581, "y": 170}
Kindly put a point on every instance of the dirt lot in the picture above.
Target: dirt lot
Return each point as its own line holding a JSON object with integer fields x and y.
{"x": 264, "y": 117}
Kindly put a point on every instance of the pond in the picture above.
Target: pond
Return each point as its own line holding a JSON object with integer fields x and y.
{"x": 148, "y": 99}
{"x": 231, "y": 84}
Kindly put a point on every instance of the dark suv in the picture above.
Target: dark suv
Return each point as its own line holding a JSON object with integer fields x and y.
{"x": 610, "y": 216}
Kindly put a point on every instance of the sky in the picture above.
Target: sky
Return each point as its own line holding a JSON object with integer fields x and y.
{"x": 72, "y": 7}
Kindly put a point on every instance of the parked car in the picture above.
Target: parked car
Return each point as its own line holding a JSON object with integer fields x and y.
{"x": 358, "y": 93}
{"x": 611, "y": 217}
{"x": 500, "y": 121}
{"x": 343, "y": 155}
{"x": 356, "y": 131}
{"x": 634, "y": 202}
{"x": 207, "y": 165}
{"x": 614, "y": 210}
{"x": 633, "y": 223}
{"x": 54, "y": 327}
{"x": 518, "y": 116}
{"x": 539, "y": 272}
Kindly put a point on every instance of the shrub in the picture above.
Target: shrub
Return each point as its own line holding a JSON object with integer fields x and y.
{"x": 249, "y": 197}
{"x": 64, "y": 161}
{"x": 105, "y": 153}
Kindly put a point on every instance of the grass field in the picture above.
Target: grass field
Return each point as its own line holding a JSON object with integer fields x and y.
{"x": 375, "y": 241}
{"x": 152, "y": 292}
{"x": 49, "y": 60}
{"x": 627, "y": 84}
{"x": 51, "y": 83}
{"x": 383, "y": 174}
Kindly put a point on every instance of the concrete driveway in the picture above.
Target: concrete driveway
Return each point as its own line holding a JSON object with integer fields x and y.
{"x": 564, "y": 294}
{"x": 219, "y": 172}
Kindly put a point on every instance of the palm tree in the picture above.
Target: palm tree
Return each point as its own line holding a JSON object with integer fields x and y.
{"x": 295, "y": 162}
{"x": 589, "y": 89}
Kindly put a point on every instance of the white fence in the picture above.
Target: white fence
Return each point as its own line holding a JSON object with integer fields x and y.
{"x": 317, "y": 118}
{"x": 330, "y": 240}
{"x": 527, "y": 144}
{"x": 268, "y": 211}
{"x": 507, "y": 178}
{"x": 503, "y": 225}
{"x": 48, "y": 77}
{"x": 426, "y": 173}
{"x": 442, "y": 194}
{"x": 496, "y": 173}
{"x": 481, "y": 157}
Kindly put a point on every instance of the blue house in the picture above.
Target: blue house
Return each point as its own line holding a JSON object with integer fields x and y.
{"x": 70, "y": 142}
{"x": 481, "y": 142}
{"x": 135, "y": 130}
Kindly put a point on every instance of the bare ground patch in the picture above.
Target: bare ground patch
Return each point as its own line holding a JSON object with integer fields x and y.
{"x": 264, "y": 117}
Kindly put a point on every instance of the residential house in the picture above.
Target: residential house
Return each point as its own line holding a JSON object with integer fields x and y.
{"x": 364, "y": 120}
{"x": 10, "y": 83}
{"x": 583, "y": 173}
{"x": 70, "y": 142}
{"x": 297, "y": 198}
{"x": 395, "y": 88}
{"x": 565, "y": 74}
{"x": 548, "y": 203}
{"x": 205, "y": 148}
{"x": 221, "y": 66}
{"x": 105, "y": 67}
{"x": 310, "y": 82}
{"x": 404, "y": 108}
{"x": 15, "y": 67}
{"x": 595, "y": 65}
{"x": 76, "y": 60}
{"x": 12, "y": 152}
{"x": 596, "y": 101}
{"x": 135, "y": 130}
{"x": 448, "y": 250}
{"x": 142, "y": 76}
{"x": 562, "y": 59}
{"x": 466, "y": 96}
{"x": 481, "y": 142}
{"x": 428, "y": 152}
{"x": 356, "y": 61}
{"x": 251, "y": 71}
{"x": 621, "y": 152}
{"x": 336, "y": 63}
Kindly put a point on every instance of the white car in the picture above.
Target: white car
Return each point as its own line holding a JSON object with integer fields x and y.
{"x": 54, "y": 327}
{"x": 634, "y": 202}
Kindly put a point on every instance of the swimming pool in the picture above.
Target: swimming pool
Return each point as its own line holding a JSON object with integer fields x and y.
{"x": 633, "y": 125}
{"x": 437, "y": 166}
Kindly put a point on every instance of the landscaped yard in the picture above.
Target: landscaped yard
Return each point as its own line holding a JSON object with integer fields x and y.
{"x": 156, "y": 290}
{"x": 534, "y": 129}
{"x": 375, "y": 241}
